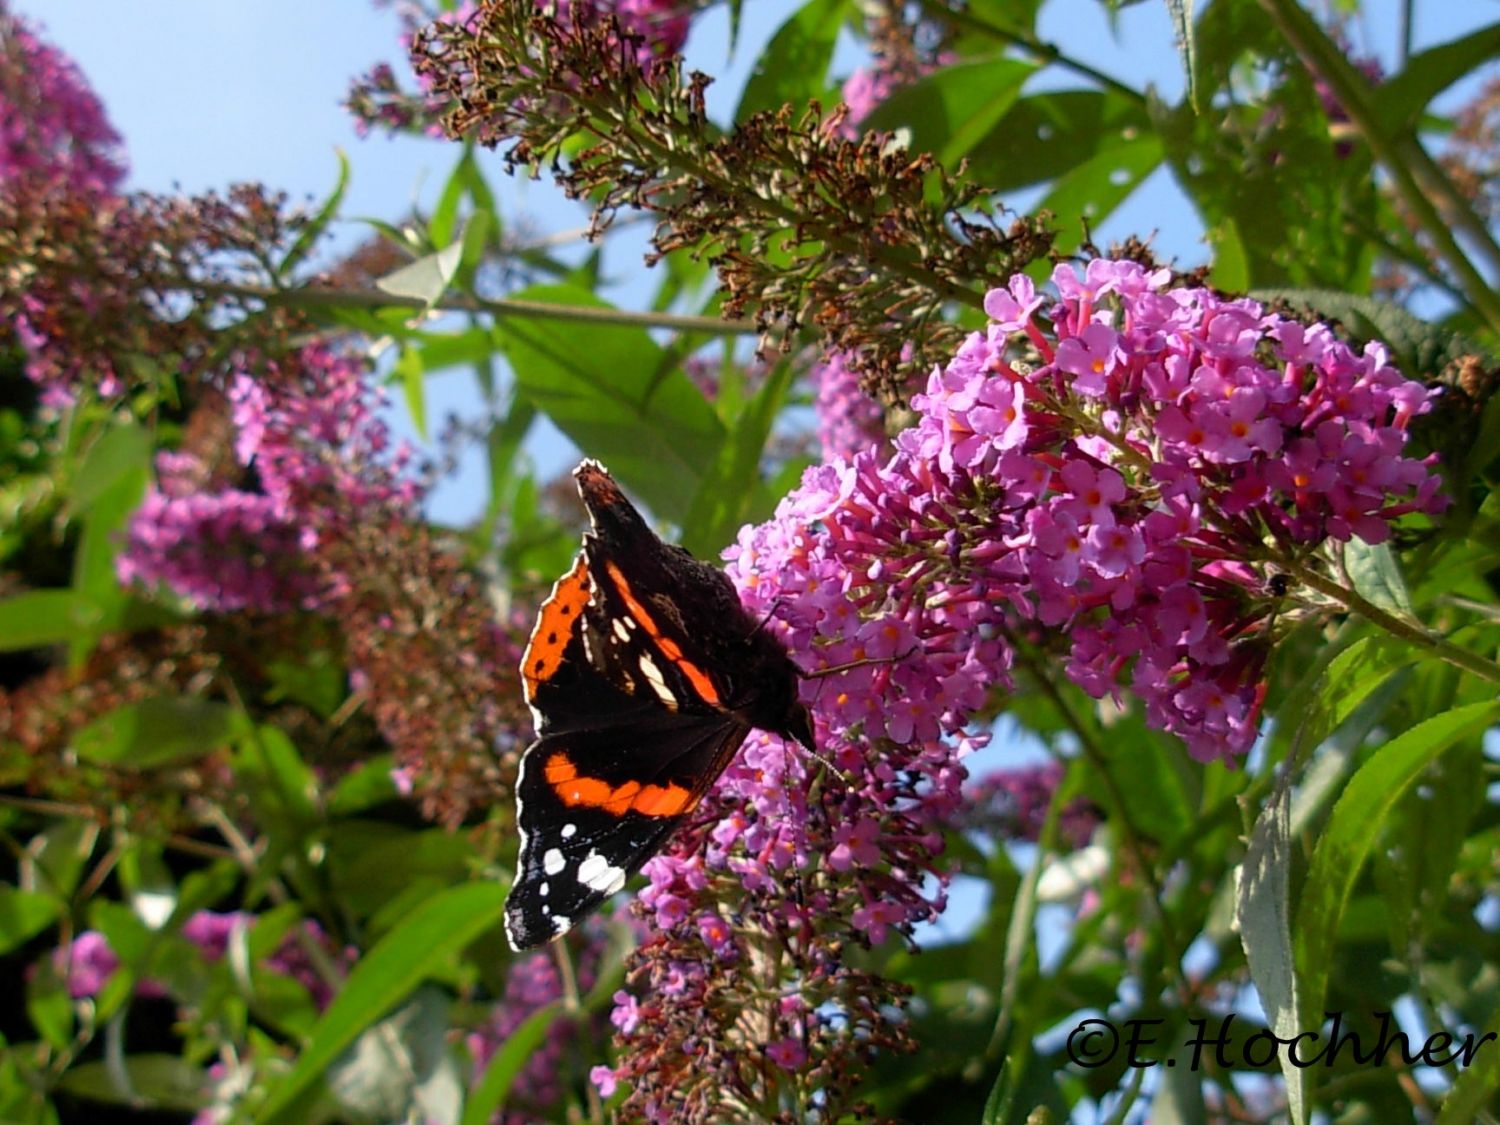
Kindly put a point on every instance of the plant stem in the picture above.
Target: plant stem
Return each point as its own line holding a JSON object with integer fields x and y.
{"x": 1409, "y": 631}
{"x": 573, "y": 1005}
{"x": 318, "y": 298}
{"x": 1026, "y": 40}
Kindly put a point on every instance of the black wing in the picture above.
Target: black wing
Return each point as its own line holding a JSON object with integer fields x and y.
{"x": 593, "y": 805}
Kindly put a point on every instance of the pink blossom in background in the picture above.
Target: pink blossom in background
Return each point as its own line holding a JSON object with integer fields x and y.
{"x": 848, "y": 419}
{"x": 532, "y": 982}
{"x": 86, "y": 964}
{"x": 309, "y": 427}
{"x": 1012, "y": 804}
{"x": 52, "y": 126}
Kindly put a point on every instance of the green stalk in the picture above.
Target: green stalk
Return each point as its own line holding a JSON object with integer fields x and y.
{"x": 1409, "y": 631}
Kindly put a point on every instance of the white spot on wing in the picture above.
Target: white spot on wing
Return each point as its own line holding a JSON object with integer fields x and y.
{"x": 544, "y": 890}
{"x": 569, "y": 831}
{"x": 553, "y": 861}
{"x": 657, "y": 681}
{"x": 598, "y": 874}
{"x": 561, "y": 924}
{"x": 621, "y": 629}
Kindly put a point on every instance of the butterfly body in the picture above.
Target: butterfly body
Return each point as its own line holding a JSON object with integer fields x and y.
{"x": 644, "y": 674}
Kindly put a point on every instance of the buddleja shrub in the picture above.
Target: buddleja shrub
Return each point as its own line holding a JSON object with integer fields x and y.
{"x": 1214, "y": 547}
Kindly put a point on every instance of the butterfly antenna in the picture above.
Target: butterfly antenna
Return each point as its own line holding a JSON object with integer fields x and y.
{"x": 829, "y": 766}
{"x": 813, "y": 753}
{"x": 766, "y": 619}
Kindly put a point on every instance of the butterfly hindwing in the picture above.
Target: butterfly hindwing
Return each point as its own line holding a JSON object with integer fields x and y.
{"x": 594, "y": 805}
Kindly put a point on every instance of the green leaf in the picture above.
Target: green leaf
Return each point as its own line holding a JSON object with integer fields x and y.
{"x": 22, "y": 1102}
{"x": 159, "y": 731}
{"x": 409, "y": 370}
{"x": 470, "y": 347}
{"x": 101, "y": 539}
{"x": 954, "y": 109}
{"x": 1231, "y": 264}
{"x": 46, "y": 617}
{"x": 1263, "y": 912}
{"x": 269, "y": 759}
{"x": 60, "y": 853}
{"x": 1376, "y": 576}
{"x": 729, "y": 494}
{"x": 607, "y": 387}
{"x": 1398, "y": 102}
{"x": 1472, "y": 1094}
{"x": 1323, "y": 700}
{"x": 50, "y": 1009}
{"x": 402, "y": 1068}
{"x": 444, "y": 219}
{"x": 488, "y": 1097}
{"x": 427, "y": 279}
{"x": 1096, "y": 187}
{"x": 502, "y": 449}
{"x": 122, "y": 451}
{"x": 368, "y": 784}
{"x": 313, "y": 677}
{"x": 475, "y": 239}
{"x": 431, "y": 934}
{"x": 366, "y": 868}
{"x": 23, "y": 915}
{"x": 163, "y": 1082}
{"x": 793, "y": 68}
{"x": 1352, "y": 829}
{"x": 1048, "y": 134}
{"x": 309, "y": 235}
{"x": 1428, "y": 830}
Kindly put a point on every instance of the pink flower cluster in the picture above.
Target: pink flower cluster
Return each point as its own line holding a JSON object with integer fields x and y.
{"x": 223, "y": 551}
{"x": 848, "y": 419}
{"x": 1130, "y": 492}
{"x": 1143, "y": 483}
{"x": 52, "y": 125}
{"x": 308, "y": 425}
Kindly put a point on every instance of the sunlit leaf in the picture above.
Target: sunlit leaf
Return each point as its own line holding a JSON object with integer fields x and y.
{"x": 432, "y": 933}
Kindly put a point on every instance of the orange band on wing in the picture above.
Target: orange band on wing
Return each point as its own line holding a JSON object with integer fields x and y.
{"x": 555, "y": 623}
{"x": 663, "y": 800}
{"x": 617, "y": 800}
{"x": 664, "y": 644}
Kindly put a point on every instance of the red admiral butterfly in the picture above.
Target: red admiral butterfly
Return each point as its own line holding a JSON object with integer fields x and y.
{"x": 644, "y": 674}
